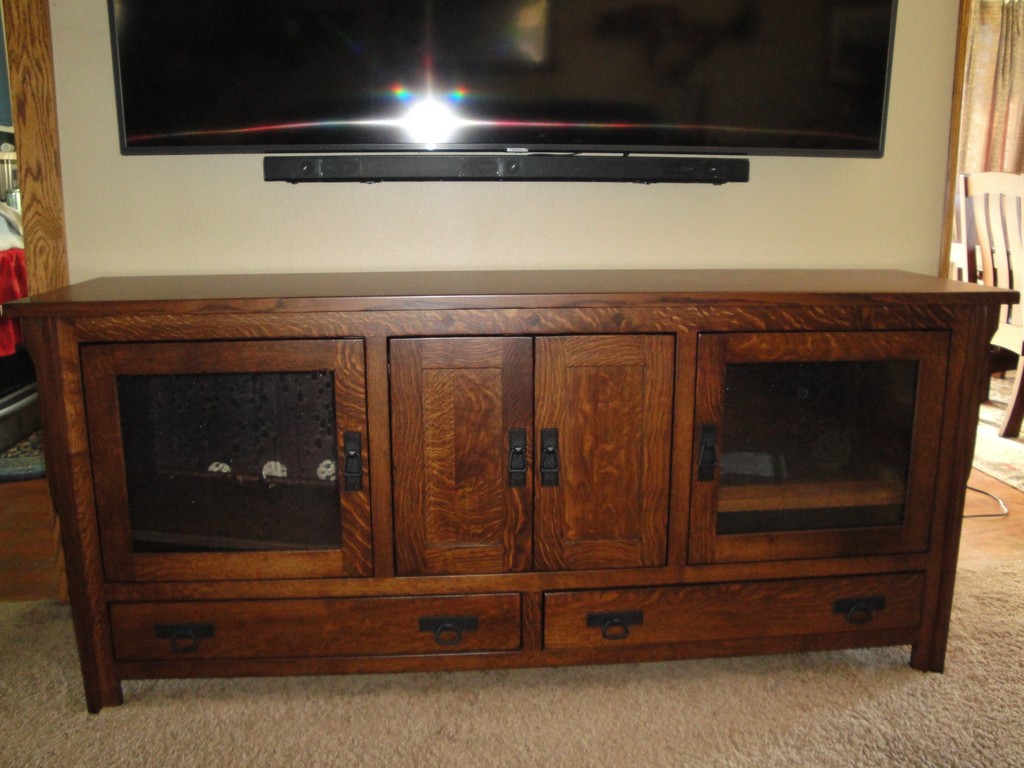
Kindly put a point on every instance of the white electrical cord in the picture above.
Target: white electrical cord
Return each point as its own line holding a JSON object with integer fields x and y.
{"x": 1005, "y": 512}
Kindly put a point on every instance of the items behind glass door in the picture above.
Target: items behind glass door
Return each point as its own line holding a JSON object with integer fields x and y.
{"x": 231, "y": 462}
{"x": 815, "y": 445}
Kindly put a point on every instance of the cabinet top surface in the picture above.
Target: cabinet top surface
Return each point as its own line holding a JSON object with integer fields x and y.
{"x": 364, "y": 291}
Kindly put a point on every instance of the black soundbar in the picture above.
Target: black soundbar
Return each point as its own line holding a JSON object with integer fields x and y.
{"x": 510, "y": 167}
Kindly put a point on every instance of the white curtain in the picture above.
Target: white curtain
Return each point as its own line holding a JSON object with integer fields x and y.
{"x": 992, "y": 131}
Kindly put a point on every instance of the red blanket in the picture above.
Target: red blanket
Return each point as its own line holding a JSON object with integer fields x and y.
{"x": 13, "y": 285}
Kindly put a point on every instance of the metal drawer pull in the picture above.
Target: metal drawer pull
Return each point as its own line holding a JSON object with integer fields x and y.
{"x": 859, "y": 610}
{"x": 615, "y": 624}
{"x": 448, "y": 629}
{"x": 185, "y": 638}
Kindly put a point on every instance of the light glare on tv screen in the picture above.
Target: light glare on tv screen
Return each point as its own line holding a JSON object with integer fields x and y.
{"x": 739, "y": 76}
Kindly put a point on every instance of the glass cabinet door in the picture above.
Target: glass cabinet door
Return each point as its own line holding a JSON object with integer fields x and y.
{"x": 815, "y": 444}
{"x": 229, "y": 460}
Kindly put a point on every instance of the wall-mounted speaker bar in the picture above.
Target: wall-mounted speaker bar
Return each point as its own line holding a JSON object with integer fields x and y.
{"x": 511, "y": 167}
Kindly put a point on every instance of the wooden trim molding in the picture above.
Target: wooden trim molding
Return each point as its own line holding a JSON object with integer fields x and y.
{"x": 956, "y": 116}
{"x": 34, "y": 102}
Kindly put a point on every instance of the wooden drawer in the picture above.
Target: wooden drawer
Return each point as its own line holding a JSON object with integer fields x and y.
{"x": 379, "y": 626}
{"x": 731, "y": 611}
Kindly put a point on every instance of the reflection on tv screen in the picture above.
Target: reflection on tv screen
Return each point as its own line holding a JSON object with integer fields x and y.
{"x": 677, "y": 75}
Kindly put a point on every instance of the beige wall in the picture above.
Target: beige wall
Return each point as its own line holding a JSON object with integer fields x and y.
{"x": 214, "y": 214}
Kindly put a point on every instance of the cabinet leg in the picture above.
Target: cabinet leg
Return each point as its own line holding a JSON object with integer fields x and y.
{"x": 926, "y": 658}
{"x": 100, "y": 694}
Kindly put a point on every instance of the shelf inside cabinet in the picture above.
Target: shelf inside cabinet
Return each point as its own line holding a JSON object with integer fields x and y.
{"x": 841, "y": 493}
{"x": 187, "y": 542}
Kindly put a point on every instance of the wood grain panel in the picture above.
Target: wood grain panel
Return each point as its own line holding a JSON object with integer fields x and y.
{"x": 849, "y": 493}
{"x": 731, "y": 611}
{"x": 34, "y": 101}
{"x": 334, "y": 665}
{"x": 69, "y": 472}
{"x": 610, "y": 397}
{"x": 303, "y": 628}
{"x": 453, "y": 404}
{"x": 465, "y": 476}
{"x": 145, "y": 322}
{"x": 350, "y": 416}
{"x": 801, "y": 347}
{"x": 378, "y": 416}
{"x": 791, "y": 291}
{"x": 965, "y": 390}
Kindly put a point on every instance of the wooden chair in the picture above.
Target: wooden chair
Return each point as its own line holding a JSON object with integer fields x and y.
{"x": 959, "y": 263}
{"x": 995, "y": 199}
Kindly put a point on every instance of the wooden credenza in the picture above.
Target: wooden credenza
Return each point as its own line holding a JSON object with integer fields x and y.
{"x": 304, "y": 474}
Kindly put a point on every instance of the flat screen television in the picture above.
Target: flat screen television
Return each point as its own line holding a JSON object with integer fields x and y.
{"x": 695, "y": 77}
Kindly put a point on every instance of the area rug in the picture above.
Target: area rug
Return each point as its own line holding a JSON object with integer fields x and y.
{"x": 826, "y": 710}
{"x": 23, "y": 460}
{"x": 1000, "y": 457}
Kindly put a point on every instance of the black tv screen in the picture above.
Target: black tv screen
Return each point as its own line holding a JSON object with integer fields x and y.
{"x": 676, "y": 76}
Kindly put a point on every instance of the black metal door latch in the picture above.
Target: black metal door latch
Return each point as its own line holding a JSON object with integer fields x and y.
{"x": 707, "y": 458}
{"x": 549, "y": 457}
{"x": 516, "y": 458}
{"x": 353, "y": 470}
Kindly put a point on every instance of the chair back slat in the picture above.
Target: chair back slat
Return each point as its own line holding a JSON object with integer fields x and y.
{"x": 996, "y": 203}
{"x": 959, "y": 264}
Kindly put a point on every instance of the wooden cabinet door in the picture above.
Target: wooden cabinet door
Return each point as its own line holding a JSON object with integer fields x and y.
{"x": 610, "y": 400}
{"x": 458, "y": 407}
{"x": 815, "y": 444}
{"x": 229, "y": 460}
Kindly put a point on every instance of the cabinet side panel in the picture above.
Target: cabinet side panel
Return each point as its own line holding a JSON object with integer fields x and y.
{"x": 966, "y": 389}
{"x": 55, "y": 354}
{"x": 108, "y": 461}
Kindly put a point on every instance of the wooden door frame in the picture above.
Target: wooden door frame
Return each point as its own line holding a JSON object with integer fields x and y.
{"x": 34, "y": 106}
{"x": 34, "y": 102}
{"x": 956, "y": 115}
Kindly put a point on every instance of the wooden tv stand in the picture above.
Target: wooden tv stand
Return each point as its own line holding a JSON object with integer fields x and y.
{"x": 391, "y": 472}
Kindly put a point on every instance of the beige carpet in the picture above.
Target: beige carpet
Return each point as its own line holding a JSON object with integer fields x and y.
{"x": 851, "y": 708}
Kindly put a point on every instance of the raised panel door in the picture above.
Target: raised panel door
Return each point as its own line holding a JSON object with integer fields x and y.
{"x": 461, "y": 434}
{"x": 604, "y": 421}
